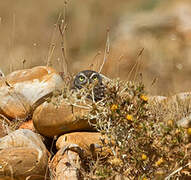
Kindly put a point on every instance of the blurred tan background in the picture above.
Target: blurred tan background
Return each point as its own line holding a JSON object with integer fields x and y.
{"x": 162, "y": 28}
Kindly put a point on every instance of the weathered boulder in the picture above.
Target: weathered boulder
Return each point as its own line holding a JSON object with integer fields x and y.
{"x": 66, "y": 164}
{"x": 51, "y": 120}
{"x": 73, "y": 150}
{"x": 23, "y": 90}
{"x": 185, "y": 122}
{"x": 7, "y": 178}
{"x": 88, "y": 141}
{"x": 22, "y": 155}
{"x": 27, "y": 125}
{"x": 183, "y": 99}
{"x": 174, "y": 108}
{"x": 157, "y": 99}
{"x": 13, "y": 104}
{"x": 181, "y": 96}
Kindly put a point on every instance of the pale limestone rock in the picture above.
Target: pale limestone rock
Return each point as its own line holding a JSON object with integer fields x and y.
{"x": 66, "y": 164}
{"x": 23, "y": 90}
{"x": 22, "y": 154}
{"x": 157, "y": 98}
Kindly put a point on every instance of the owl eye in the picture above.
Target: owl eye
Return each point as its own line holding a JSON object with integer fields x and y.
{"x": 81, "y": 78}
{"x": 95, "y": 78}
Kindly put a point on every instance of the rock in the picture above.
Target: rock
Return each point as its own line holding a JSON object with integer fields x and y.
{"x": 73, "y": 149}
{"x": 7, "y": 178}
{"x": 182, "y": 101}
{"x": 157, "y": 99}
{"x": 21, "y": 164}
{"x": 4, "y": 126}
{"x": 27, "y": 125}
{"x": 66, "y": 164}
{"x": 23, "y": 90}
{"x": 2, "y": 130}
{"x": 13, "y": 104}
{"x": 176, "y": 108}
{"x": 185, "y": 122}
{"x": 23, "y": 154}
{"x": 35, "y": 83}
{"x": 51, "y": 120}
{"x": 88, "y": 141}
{"x": 181, "y": 96}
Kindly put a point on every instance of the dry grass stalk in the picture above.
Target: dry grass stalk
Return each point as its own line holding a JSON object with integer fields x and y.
{"x": 107, "y": 50}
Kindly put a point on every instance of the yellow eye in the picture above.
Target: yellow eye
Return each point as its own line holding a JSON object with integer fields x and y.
{"x": 81, "y": 78}
{"x": 95, "y": 78}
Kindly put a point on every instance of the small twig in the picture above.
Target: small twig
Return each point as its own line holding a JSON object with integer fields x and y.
{"x": 52, "y": 48}
{"x": 91, "y": 66}
{"x": 141, "y": 52}
{"x": 84, "y": 107}
{"x": 6, "y": 124}
{"x": 106, "y": 52}
{"x": 154, "y": 81}
{"x": 178, "y": 170}
{"x": 136, "y": 64}
{"x": 62, "y": 29}
{"x": 119, "y": 61}
{"x": 6, "y": 119}
{"x": 52, "y": 44}
{"x": 23, "y": 62}
{"x": 51, "y": 154}
{"x": 93, "y": 96}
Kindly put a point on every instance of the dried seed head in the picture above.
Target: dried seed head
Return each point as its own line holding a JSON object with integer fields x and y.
{"x": 116, "y": 161}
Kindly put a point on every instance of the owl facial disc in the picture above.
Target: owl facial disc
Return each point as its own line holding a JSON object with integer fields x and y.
{"x": 88, "y": 77}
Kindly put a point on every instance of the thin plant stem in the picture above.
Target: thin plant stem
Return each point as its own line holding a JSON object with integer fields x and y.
{"x": 106, "y": 52}
{"x": 92, "y": 66}
{"x": 135, "y": 65}
{"x": 52, "y": 44}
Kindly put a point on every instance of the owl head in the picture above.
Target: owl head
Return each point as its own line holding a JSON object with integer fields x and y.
{"x": 87, "y": 77}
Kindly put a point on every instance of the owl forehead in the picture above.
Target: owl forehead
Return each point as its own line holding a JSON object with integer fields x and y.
{"x": 88, "y": 73}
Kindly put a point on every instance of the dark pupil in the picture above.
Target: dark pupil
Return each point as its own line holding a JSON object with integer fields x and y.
{"x": 95, "y": 78}
{"x": 81, "y": 78}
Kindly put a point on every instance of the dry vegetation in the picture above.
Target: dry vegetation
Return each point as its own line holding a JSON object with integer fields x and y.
{"x": 143, "y": 139}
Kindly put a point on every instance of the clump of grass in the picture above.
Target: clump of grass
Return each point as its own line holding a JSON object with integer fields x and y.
{"x": 141, "y": 143}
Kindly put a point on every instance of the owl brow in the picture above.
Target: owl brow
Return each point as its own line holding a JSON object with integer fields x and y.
{"x": 93, "y": 74}
{"x": 81, "y": 74}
